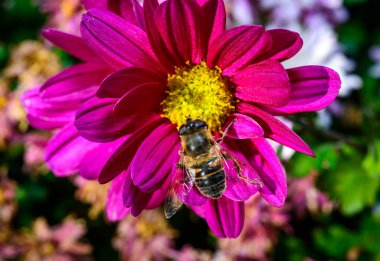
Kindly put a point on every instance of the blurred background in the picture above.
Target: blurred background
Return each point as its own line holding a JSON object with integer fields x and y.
{"x": 333, "y": 207}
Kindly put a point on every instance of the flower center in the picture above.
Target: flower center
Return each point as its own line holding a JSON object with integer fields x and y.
{"x": 199, "y": 93}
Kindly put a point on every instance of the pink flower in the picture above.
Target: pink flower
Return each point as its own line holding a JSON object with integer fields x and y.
{"x": 260, "y": 234}
{"x": 145, "y": 71}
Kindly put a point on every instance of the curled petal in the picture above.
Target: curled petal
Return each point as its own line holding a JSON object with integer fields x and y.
{"x": 312, "y": 88}
{"x": 243, "y": 127}
{"x": 225, "y": 217}
{"x": 265, "y": 83}
{"x": 285, "y": 45}
{"x": 275, "y": 129}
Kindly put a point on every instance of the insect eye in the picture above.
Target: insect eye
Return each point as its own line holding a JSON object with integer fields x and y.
{"x": 183, "y": 130}
{"x": 200, "y": 124}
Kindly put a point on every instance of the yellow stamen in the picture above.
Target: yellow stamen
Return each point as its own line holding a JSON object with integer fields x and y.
{"x": 199, "y": 93}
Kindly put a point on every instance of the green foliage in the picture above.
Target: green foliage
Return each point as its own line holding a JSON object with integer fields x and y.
{"x": 327, "y": 158}
{"x": 371, "y": 163}
{"x": 337, "y": 240}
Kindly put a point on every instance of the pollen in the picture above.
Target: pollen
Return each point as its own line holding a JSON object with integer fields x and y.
{"x": 198, "y": 92}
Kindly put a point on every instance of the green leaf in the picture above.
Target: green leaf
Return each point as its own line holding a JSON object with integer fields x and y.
{"x": 326, "y": 158}
{"x": 355, "y": 190}
{"x": 371, "y": 163}
{"x": 335, "y": 241}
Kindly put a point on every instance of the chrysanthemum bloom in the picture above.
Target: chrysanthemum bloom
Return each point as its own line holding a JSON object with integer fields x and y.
{"x": 146, "y": 70}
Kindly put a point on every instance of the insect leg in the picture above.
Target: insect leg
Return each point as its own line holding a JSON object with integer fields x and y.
{"x": 225, "y": 131}
{"x": 239, "y": 170}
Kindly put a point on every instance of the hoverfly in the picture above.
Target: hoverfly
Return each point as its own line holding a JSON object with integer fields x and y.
{"x": 206, "y": 164}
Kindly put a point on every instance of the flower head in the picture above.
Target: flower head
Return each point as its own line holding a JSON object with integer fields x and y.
{"x": 144, "y": 74}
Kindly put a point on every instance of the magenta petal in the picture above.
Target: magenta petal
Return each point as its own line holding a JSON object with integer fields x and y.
{"x": 312, "y": 88}
{"x": 131, "y": 103}
{"x": 94, "y": 161}
{"x": 130, "y": 10}
{"x": 44, "y": 115}
{"x": 65, "y": 151}
{"x": 133, "y": 197}
{"x": 120, "y": 82}
{"x": 285, "y": 45}
{"x": 155, "y": 39}
{"x": 275, "y": 129}
{"x": 129, "y": 189}
{"x": 72, "y": 44}
{"x": 153, "y": 160}
{"x": 122, "y": 157}
{"x": 184, "y": 38}
{"x": 237, "y": 188}
{"x": 89, "y": 4}
{"x": 265, "y": 83}
{"x": 215, "y": 15}
{"x": 141, "y": 203}
{"x": 159, "y": 196}
{"x": 260, "y": 155}
{"x": 76, "y": 83}
{"x": 243, "y": 127}
{"x": 238, "y": 47}
{"x": 225, "y": 217}
{"x": 200, "y": 210}
{"x": 275, "y": 189}
{"x": 95, "y": 121}
{"x": 115, "y": 209}
{"x": 194, "y": 198}
{"x": 118, "y": 42}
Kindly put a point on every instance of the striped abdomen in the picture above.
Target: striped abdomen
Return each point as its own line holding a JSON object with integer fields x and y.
{"x": 210, "y": 178}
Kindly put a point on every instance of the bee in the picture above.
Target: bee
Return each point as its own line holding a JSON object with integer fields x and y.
{"x": 205, "y": 164}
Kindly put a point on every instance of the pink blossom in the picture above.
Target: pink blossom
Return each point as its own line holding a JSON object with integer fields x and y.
{"x": 8, "y": 202}
{"x": 115, "y": 122}
{"x": 55, "y": 243}
{"x": 305, "y": 196}
{"x": 260, "y": 233}
{"x": 145, "y": 238}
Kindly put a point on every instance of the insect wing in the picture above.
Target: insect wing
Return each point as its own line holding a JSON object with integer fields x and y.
{"x": 172, "y": 204}
{"x": 183, "y": 180}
